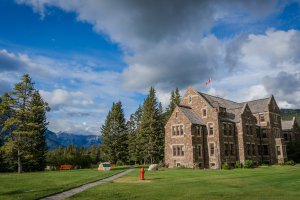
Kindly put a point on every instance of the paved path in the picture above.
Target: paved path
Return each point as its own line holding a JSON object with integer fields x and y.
{"x": 74, "y": 191}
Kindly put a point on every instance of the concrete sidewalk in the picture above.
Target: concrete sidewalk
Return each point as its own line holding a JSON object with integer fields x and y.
{"x": 74, "y": 191}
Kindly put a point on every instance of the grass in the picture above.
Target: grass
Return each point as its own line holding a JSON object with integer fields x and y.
{"x": 39, "y": 184}
{"x": 275, "y": 182}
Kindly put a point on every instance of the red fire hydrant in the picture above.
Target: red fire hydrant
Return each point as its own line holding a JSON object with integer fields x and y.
{"x": 142, "y": 173}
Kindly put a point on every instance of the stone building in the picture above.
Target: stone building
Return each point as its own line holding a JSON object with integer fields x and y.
{"x": 290, "y": 130}
{"x": 205, "y": 131}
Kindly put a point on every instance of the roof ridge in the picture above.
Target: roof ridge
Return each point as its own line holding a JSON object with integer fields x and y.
{"x": 184, "y": 106}
{"x": 256, "y": 100}
{"x": 219, "y": 97}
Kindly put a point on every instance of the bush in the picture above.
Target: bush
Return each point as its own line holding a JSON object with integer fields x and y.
{"x": 120, "y": 163}
{"x": 225, "y": 165}
{"x": 248, "y": 164}
{"x": 290, "y": 162}
{"x": 237, "y": 164}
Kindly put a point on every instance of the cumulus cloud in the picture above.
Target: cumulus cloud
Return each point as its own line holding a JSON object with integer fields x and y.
{"x": 59, "y": 97}
{"x": 162, "y": 40}
{"x": 286, "y": 87}
{"x": 170, "y": 44}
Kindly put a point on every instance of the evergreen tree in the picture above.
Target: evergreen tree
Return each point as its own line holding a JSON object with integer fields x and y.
{"x": 38, "y": 108}
{"x": 151, "y": 133}
{"x": 114, "y": 135}
{"x": 174, "y": 101}
{"x": 133, "y": 127}
{"x": 23, "y": 124}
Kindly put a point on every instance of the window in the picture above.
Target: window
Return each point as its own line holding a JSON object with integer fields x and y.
{"x": 257, "y": 132}
{"x": 253, "y": 150}
{"x": 212, "y": 165}
{"x": 176, "y": 115}
{"x": 173, "y": 130}
{"x": 177, "y": 130}
{"x": 276, "y": 132}
{"x": 181, "y": 129}
{"x": 265, "y": 150}
{"x": 261, "y": 117}
{"x": 232, "y": 149}
{"x": 204, "y": 112}
{"x": 248, "y": 150}
{"x": 284, "y": 150}
{"x": 178, "y": 150}
{"x": 264, "y": 133}
{"x": 199, "y": 130}
{"x": 226, "y": 149}
{"x": 190, "y": 99}
{"x": 278, "y": 150}
{"x": 199, "y": 149}
{"x": 286, "y": 138}
{"x": 212, "y": 149}
{"x": 259, "y": 149}
{"x": 210, "y": 129}
{"x": 178, "y": 165}
{"x": 230, "y": 129}
{"x": 225, "y": 132}
{"x": 248, "y": 130}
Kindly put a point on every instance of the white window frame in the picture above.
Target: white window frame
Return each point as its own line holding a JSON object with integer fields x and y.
{"x": 183, "y": 149}
{"x": 208, "y": 128}
{"x": 179, "y": 130}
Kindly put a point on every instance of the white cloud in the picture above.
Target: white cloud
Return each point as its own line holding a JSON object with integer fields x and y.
{"x": 167, "y": 46}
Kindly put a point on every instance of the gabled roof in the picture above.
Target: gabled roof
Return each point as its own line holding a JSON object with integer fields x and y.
{"x": 259, "y": 105}
{"x": 234, "y": 109}
{"x": 217, "y": 101}
{"x": 191, "y": 115}
{"x": 288, "y": 124}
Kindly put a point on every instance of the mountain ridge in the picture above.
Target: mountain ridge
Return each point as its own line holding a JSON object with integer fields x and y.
{"x": 63, "y": 139}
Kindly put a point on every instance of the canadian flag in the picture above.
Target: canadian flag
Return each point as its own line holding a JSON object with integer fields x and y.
{"x": 208, "y": 82}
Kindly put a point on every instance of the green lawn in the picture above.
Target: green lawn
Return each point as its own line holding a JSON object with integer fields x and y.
{"x": 39, "y": 184}
{"x": 276, "y": 182}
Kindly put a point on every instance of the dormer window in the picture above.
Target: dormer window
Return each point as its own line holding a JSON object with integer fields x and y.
{"x": 190, "y": 99}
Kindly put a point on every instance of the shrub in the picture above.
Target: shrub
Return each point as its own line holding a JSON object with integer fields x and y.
{"x": 120, "y": 163}
{"x": 225, "y": 165}
{"x": 290, "y": 162}
{"x": 248, "y": 164}
{"x": 237, "y": 164}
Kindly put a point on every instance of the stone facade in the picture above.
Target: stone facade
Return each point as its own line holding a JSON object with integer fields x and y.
{"x": 290, "y": 130}
{"x": 212, "y": 131}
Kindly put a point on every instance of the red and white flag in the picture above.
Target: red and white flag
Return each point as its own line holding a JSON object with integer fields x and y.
{"x": 208, "y": 82}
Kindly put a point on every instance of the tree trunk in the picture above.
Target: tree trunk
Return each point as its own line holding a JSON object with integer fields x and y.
{"x": 19, "y": 162}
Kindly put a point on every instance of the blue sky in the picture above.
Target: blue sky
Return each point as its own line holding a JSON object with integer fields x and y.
{"x": 83, "y": 55}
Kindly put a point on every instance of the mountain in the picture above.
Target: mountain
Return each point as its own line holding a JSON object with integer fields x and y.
{"x": 288, "y": 114}
{"x": 55, "y": 140}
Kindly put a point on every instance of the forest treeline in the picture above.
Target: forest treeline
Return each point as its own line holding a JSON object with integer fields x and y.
{"x": 23, "y": 123}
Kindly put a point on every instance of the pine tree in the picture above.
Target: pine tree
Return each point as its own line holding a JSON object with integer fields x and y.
{"x": 38, "y": 108}
{"x": 114, "y": 135}
{"x": 23, "y": 125}
{"x": 174, "y": 101}
{"x": 151, "y": 134}
{"x": 133, "y": 128}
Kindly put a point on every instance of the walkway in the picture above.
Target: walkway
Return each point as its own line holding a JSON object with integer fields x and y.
{"x": 74, "y": 191}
